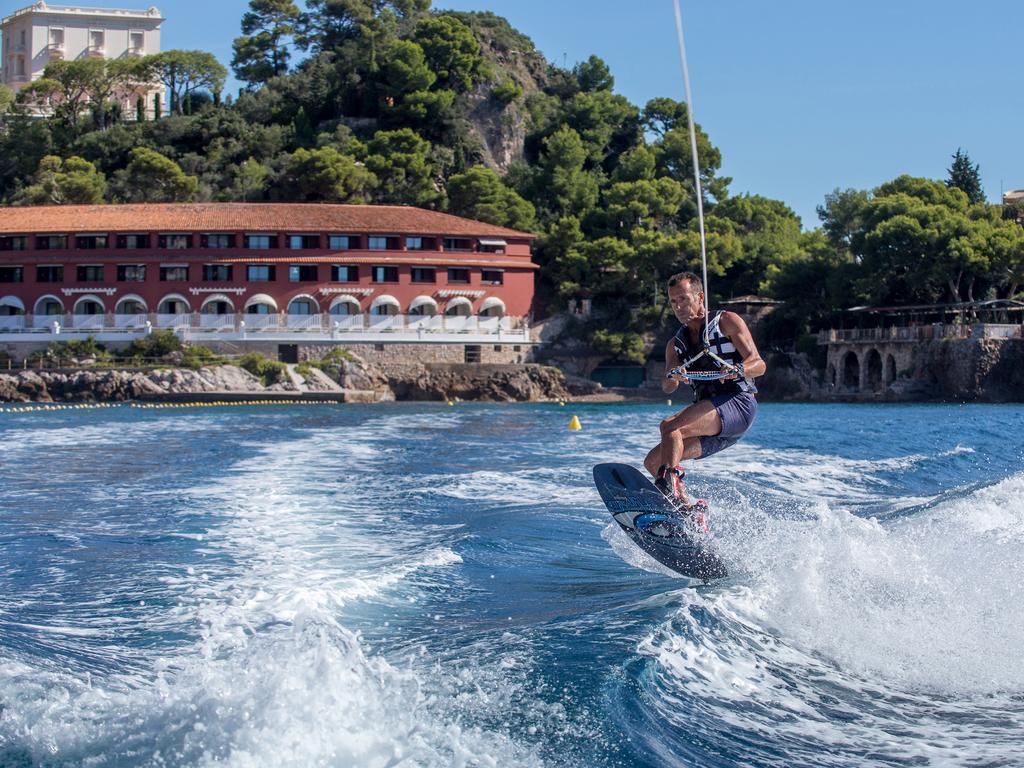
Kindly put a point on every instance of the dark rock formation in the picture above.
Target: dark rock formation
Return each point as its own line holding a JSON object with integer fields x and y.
{"x": 492, "y": 383}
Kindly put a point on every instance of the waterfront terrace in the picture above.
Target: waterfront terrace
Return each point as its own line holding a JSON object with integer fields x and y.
{"x": 239, "y": 269}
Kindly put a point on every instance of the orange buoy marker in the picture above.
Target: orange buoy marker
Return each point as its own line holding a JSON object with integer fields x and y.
{"x": 575, "y": 425}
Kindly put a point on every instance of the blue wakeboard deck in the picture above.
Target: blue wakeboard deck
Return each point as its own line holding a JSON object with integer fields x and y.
{"x": 657, "y": 527}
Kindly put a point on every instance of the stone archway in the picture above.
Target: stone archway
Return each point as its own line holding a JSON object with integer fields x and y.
{"x": 889, "y": 374}
{"x": 874, "y": 370}
{"x": 851, "y": 371}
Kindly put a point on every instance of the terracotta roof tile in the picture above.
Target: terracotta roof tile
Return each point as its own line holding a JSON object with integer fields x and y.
{"x": 254, "y": 217}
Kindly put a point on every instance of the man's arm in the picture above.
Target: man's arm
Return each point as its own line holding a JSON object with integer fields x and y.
{"x": 732, "y": 325}
{"x": 670, "y": 385}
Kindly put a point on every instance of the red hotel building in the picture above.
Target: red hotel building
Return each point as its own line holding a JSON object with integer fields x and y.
{"x": 259, "y": 267}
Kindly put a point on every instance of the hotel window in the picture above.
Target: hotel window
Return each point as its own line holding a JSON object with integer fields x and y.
{"x": 90, "y": 242}
{"x": 458, "y": 275}
{"x": 260, "y": 273}
{"x": 57, "y": 38}
{"x": 51, "y": 242}
{"x": 174, "y": 242}
{"x": 216, "y": 272}
{"x": 131, "y": 273}
{"x": 414, "y": 243}
{"x": 344, "y": 274}
{"x": 457, "y": 244}
{"x": 339, "y": 242}
{"x": 11, "y": 274}
{"x": 136, "y": 40}
{"x": 217, "y": 241}
{"x": 96, "y": 39}
{"x": 303, "y": 242}
{"x": 21, "y": 65}
{"x": 424, "y": 275}
{"x": 492, "y": 276}
{"x": 492, "y": 246}
{"x": 378, "y": 243}
{"x": 173, "y": 274}
{"x": 90, "y": 273}
{"x": 385, "y": 274}
{"x": 133, "y": 241}
{"x": 51, "y": 273}
{"x": 260, "y": 242}
{"x": 302, "y": 273}
{"x": 15, "y": 243}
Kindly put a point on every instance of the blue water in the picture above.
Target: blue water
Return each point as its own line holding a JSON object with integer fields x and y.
{"x": 441, "y": 586}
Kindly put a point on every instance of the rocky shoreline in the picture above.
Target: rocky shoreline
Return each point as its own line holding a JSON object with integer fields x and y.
{"x": 353, "y": 382}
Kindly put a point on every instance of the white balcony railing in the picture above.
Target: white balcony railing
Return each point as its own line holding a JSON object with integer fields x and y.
{"x": 246, "y": 326}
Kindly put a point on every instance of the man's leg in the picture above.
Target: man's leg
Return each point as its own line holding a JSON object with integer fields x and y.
{"x": 699, "y": 420}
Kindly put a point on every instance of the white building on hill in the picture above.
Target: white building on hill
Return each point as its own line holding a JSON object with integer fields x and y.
{"x": 41, "y": 33}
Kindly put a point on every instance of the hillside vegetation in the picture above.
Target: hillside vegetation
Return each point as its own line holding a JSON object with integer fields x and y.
{"x": 388, "y": 101}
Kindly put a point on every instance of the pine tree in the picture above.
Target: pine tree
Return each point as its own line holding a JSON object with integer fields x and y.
{"x": 966, "y": 177}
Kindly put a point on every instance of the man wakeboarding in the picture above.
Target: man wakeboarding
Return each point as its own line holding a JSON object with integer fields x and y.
{"x": 720, "y": 355}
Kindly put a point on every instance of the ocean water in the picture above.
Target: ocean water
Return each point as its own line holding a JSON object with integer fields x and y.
{"x": 421, "y": 585}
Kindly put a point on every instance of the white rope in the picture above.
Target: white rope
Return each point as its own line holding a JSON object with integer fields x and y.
{"x": 696, "y": 161}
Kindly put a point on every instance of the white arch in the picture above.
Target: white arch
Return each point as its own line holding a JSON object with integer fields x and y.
{"x": 261, "y": 298}
{"x": 423, "y": 301}
{"x": 491, "y": 303}
{"x": 41, "y": 299}
{"x": 12, "y": 301}
{"x": 385, "y": 300}
{"x": 174, "y": 297}
{"x": 217, "y": 297}
{"x": 131, "y": 297}
{"x": 87, "y": 298}
{"x": 453, "y": 306}
{"x": 344, "y": 299}
{"x": 307, "y": 297}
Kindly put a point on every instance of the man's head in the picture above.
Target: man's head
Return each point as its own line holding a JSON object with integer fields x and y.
{"x": 686, "y": 295}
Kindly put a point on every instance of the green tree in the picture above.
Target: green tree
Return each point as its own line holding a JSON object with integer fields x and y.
{"x": 185, "y": 72}
{"x": 64, "y": 182}
{"x": 562, "y": 186}
{"x": 841, "y": 215}
{"x": 329, "y": 24}
{"x": 452, "y": 51}
{"x": 594, "y": 75}
{"x": 151, "y": 177}
{"x": 405, "y": 70}
{"x": 251, "y": 179}
{"x": 261, "y": 52}
{"x": 324, "y": 174}
{"x": 67, "y": 86}
{"x": 479, "y": 193}
{"x": 6, "y": 99}
{"x": 770, "y": 234}
{"x": 966, "y": 177}
{"x": 400, "y": 161}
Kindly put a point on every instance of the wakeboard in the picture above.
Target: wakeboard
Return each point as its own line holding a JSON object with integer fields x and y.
{"x": 668, "y": 535}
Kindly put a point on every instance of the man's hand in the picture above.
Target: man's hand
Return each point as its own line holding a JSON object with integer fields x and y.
{"x": 677, "y": 375}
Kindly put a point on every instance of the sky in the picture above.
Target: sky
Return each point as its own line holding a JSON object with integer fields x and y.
{"x": 801, "y": 96}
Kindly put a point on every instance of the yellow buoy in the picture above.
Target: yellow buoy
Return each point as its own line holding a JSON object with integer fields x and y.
{"x": 668, "y": 402}
{"x": 575, "y": 425}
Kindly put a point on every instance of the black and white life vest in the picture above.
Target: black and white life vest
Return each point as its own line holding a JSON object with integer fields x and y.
{"x": 722, "y": 346}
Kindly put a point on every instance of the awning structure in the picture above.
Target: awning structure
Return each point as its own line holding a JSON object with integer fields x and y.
{"x": 447, "y": 293}
{"x": 132, "y": 297}
{"x": 422, "y": 301}
{"x": 492, "y": 242}
{"x": 459, "y": 301}
{"x": 492, "y": 302}
{"x": 261, "y": 298}
{"x": 304, "y": 297}
{"x": 12, "y": 301}
{"x": 174, "y": 297}
{"x": 89, "y": 297}
{"x": 344, "y": 298}
{"x": 217, "y": 297}
{"x": 385, "y": 300}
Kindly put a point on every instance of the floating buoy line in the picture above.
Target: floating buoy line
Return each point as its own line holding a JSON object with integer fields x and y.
{"x": 40, "y": 407}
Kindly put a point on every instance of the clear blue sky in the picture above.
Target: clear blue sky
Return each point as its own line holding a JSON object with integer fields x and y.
{"x": 801, "y": 96}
